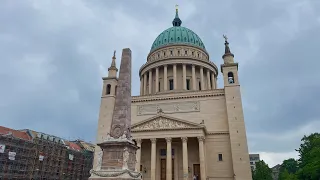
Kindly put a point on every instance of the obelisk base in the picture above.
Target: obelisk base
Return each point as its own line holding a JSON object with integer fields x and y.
{"x": 116, "y": 161}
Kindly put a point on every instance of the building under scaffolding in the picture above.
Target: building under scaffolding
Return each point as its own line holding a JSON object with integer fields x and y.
{"x": 28, "y": 154}
{"x": 17, "y": 152}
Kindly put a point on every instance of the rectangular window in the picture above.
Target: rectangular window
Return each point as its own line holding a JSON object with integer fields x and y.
{"x": 220, "y": 157}
{"x": 199, "y": 86}
{"x": 171, "y": 84}
{"x": 163, "y": 152}
{"x": 159, "y": 86}
{"x": 188, "y": 84}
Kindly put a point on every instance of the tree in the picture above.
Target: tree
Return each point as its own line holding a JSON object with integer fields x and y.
{"x": 288, "y": 168}
{"x": 285, "y": 175}
{"x": 262, "y": 171}
{"x": 309, "y": 162}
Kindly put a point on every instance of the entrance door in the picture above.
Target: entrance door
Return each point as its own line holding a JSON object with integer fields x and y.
{"x": 163, "y": 169}
{"x": 196, "y": 171}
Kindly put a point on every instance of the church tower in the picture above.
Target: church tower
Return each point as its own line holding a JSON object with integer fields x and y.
{"x": 237, "y": 131}
{"x": 107, "y": 104}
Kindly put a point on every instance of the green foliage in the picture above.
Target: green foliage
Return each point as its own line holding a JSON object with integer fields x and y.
{"x": 309, "y": 162}
{"x": 285, "y": 175}
{"x": 262, "y": 171}
{"x": 288, "y": 169}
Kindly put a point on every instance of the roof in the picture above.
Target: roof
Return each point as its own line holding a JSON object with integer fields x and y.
{"x": 87, "y": 146}
{"x": 73, "y": 146}
{"x": 15, "y": 133}
{"x": 177, "y": 35}
{"x": 44, "y": 136}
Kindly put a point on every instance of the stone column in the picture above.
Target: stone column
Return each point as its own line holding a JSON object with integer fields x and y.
{"x": 150, "y": 81}
{"x": 138, "y": 155}
{"x": 153, "y": 158}
{"x": 194, "y": 82}
{"x": 213, "y": 79}
{"x": 185, "y": 158}
{"x": 215, "y": 82}
{"x": 201, "y": 158}
{"x": 175, "y": 76}
{"x": 169, "y": 159}
{"x": 165, "y": 76}
{"x": 141, "y": 85}
{"x": 184, "y": 75}
{"x": 145, "y": 84}
{"x": 201, "y": 78}
{"x": 157, "y": 79}
{"x": 208, "y": 77}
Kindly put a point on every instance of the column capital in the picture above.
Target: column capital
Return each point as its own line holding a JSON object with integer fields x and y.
{"x": 193, "y": 65}
{"x": 166, "y": 65}
{"x": 201, "y": 138}
{"x": 153, "y": 140}
{"x": 184, "y": 139}
{"x": 168, "y": 139}
{"x": 139, "y": 141}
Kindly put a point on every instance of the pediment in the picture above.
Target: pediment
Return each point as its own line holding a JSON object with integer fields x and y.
{"x": 163, "y": 122}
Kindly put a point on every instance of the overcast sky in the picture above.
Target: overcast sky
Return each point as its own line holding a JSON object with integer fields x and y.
{"x": 54, "y": 53}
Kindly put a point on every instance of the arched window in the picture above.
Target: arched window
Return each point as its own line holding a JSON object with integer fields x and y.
{"x": 108, "y": 89}
{"x": 230, "y": 78}
{"x": 115, "y": 90}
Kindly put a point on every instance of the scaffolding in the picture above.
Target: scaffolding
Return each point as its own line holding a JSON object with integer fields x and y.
{"x": 16, "y": 161}
{"x": 43, "y": 158}
{"x": 49, "y": 160}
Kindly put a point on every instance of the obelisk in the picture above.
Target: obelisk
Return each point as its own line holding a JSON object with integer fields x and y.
{"x": 118, "y": 157}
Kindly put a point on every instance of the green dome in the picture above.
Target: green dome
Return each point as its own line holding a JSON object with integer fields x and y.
{"x": 177, "y": 35}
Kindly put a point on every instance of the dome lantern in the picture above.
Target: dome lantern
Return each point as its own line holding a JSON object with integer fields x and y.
{"x": 176, "y": 21}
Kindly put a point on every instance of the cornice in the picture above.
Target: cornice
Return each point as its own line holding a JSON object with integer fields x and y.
{"x": 217, "y": 132}
{"x": 175, "y": 46}
{"x": 178, "y": 95}
{"x": 183, "y": 60}
{"x": 168, "y": 129}
{"x": 228, "y": 65}
{"x": 175, "y": 56}
{"x": 110, "y": 78}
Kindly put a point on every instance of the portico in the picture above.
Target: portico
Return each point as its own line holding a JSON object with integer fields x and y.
{"x": 170, "y": 148}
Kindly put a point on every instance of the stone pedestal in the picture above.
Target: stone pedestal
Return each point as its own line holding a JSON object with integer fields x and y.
{"x": 117, "y": 160}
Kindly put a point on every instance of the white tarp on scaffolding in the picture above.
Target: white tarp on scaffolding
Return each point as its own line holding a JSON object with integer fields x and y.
{"x": 2, "y": 148}
{"x": 71, "y": 157}
{"x": 12, "y": 155}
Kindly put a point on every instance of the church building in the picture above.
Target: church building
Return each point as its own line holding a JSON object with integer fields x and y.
{"x": 186, "y": 126}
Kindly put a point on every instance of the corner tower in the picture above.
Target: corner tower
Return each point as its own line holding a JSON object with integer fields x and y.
{"x": 108, "y": 97}
{"x": 237, "y": 131}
